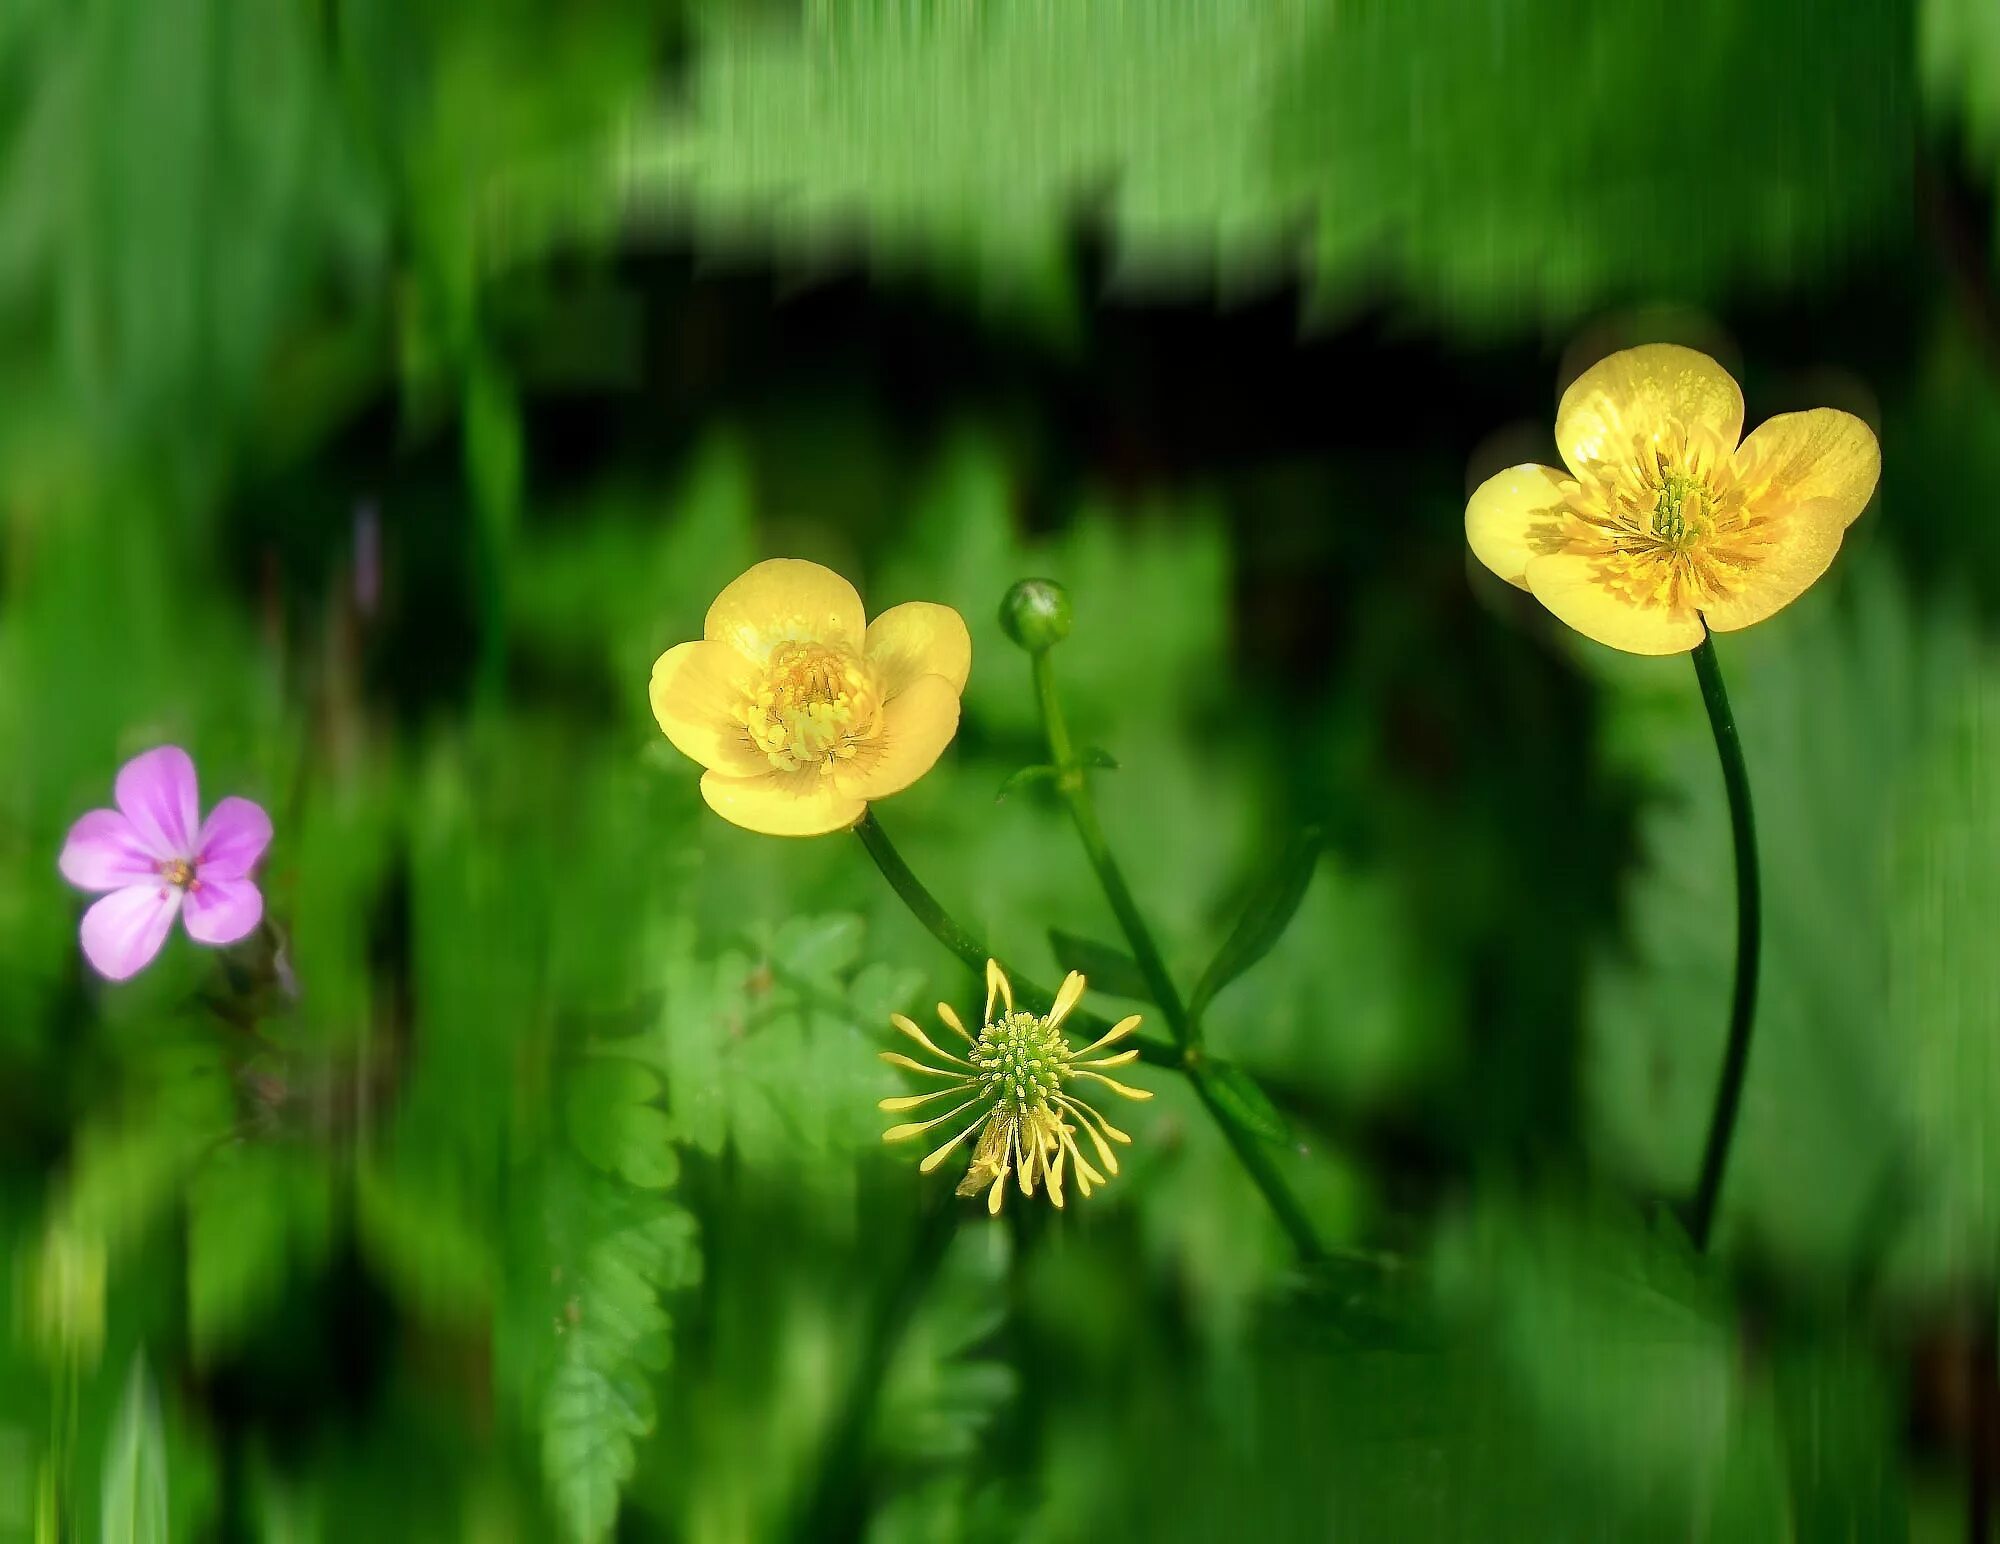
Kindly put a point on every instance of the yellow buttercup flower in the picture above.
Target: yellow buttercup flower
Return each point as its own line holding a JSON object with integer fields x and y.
{"x": 1020, "y": 1078}
{"x": 1663, "y": 522}
{"x": 800, "y": 712}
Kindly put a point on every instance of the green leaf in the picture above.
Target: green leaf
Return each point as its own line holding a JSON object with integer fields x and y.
{"x": 1244, "y": 1102}
{"x": 592, "y": 1328}
{"x": 1265, "y": 916}
{"x": 1107, "y": 969}
{"x": 1025, "y": 777}
{"x": 1098, "y": 757}
{"x": 134, "y": 1493}
{"x": 617, "y": 1127}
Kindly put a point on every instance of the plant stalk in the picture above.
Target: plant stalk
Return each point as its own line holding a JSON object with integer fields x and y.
{"x": 1749, "y": 935}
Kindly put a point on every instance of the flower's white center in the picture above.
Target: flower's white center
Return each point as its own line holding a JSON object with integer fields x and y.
{"x": 1021, "y": 1061}
{"x": 814, "y": 705}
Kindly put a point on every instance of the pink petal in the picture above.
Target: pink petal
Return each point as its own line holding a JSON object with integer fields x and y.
{"x": 232, "y": 839}
{"x": 104, "y": 852}
{"x": 157, "y": 793}
{"x": 220, "y": 911}
{"x": 125, "y": 929}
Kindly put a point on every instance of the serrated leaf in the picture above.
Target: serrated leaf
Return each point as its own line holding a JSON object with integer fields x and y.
{"x": 595, "y": 1325}
{"x": 1244, "y": 1102}
{"x": 1266, "y": 914}
{"x": 134, "y": 1493}
{"x": 1107, "y": 969}
{"x": 589, "y": 1419}
{"x": 1025, "y": 777}
{"x": 615, "y": 1125}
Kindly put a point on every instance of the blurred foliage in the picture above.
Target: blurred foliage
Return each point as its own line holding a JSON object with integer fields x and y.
{"x": 383, "y": 388}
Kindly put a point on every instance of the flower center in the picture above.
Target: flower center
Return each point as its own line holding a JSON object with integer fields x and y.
{"x": 813, "y": 704}
{"x": 178, "y": 872}
{"x": 1682, "y": 510}
{"x": 1021, "y": 1061}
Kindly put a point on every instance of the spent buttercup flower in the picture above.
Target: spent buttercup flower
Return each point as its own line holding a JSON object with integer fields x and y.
{"x": 1664, "y": 522}
{"x": 800, "y": 709}
{"x": 1019, "y": 1077}
{"x": 159, "y": 859}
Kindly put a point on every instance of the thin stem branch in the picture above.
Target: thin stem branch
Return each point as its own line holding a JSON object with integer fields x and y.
{"x": 1074, "y": 786}
{"x": 1743, "y": 997}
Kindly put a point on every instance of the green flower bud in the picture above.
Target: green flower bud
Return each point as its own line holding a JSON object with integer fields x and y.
{"x": 1036, "y": 614}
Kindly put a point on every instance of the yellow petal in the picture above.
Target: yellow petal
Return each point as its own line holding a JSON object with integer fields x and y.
{"x": 695, "y": 691}
{"x": 916, "y": 727}
{"x": 1645, "y": 396}
{"x": 918, "y": 639}
{"x": 1794, "y": 547}
{"x": 997, "y": 985}
{"x": 1515, "y": 515}
{"x": 1067, "y": 996}
{"x": 782, "y": 804}
{"x": 781, "y": 599}
{"x": 1613, "y": 599}
{"x": 1822, "y": 456}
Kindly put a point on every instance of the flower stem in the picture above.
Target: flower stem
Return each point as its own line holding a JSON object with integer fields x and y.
{"x": 923, "y": 905}
{"x": 1743, "y": 998}
{"x": 1074, "y": 787}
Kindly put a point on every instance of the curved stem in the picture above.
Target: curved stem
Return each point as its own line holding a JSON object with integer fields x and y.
{"x": 1075, "y": 790}
{"x": 1743, "y": 997}
{"x": 923, "y": 905}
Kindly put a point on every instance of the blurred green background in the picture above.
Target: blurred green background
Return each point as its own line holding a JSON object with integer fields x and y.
{"x": 383, "y": 386}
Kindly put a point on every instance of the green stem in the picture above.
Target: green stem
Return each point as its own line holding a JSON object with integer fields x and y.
{"x": 923, "y": 905}
{"x": 1075, "y": 789}
{"x": 1074, "y": 785}
{"x": 1743, "y": 998}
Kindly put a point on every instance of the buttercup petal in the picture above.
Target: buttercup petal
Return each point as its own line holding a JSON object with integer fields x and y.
{"x": 1513, "y": 516}
{"x": 779, "y": 804}
{"x": 1606, "y": 597}
{"x": 124, "y": 930}
{"x": 1645, "y": 395}
{"x": 782, "y": 599}
{"x": 916, "y": 727}
{"x": 916, "y": 639}
{"x": 106, "y": 852}
{"x": 220, "y": 911}
{"x": 158, "y": 795}
{"x": 695, "y": 692}
{"x": 231, "y": 841}
{"x": 1796, "y": 545}
{"x": 1823, "y": 456}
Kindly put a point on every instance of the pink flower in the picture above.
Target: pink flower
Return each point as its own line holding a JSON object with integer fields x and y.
{"x": 155, "y": 860}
